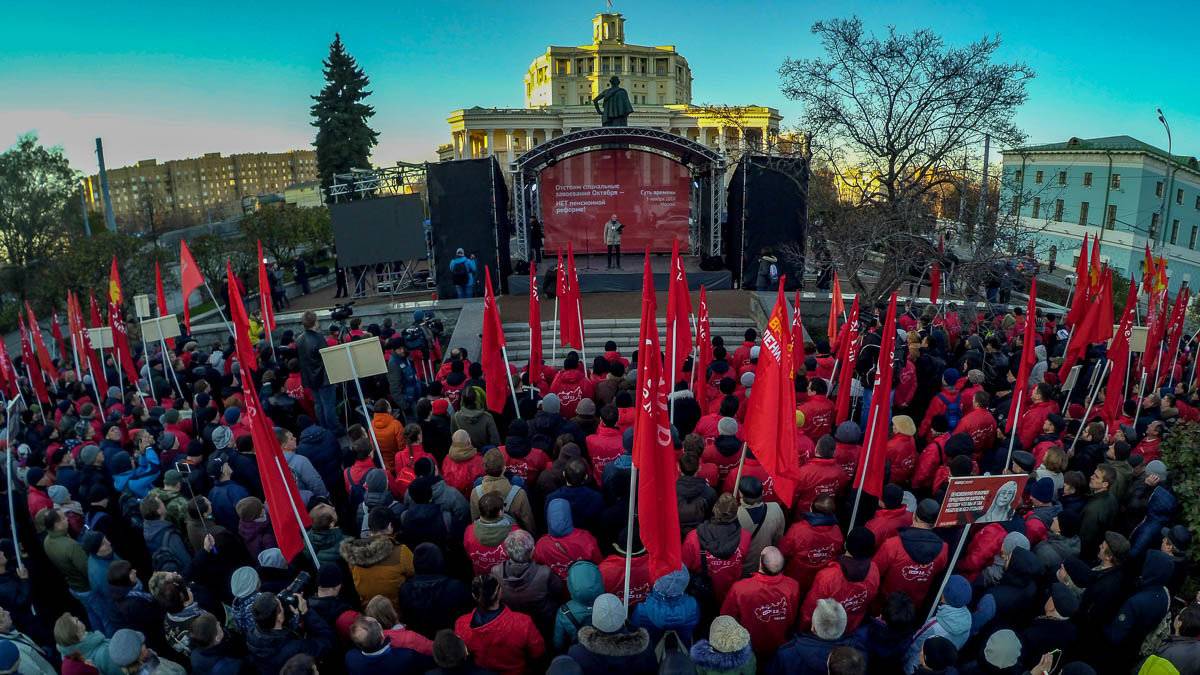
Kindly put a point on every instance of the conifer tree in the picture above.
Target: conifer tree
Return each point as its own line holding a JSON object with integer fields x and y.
{"x": 344, "y": 139}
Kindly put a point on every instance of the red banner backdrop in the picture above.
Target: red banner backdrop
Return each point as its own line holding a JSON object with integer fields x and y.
{"x": 648, "y": 192}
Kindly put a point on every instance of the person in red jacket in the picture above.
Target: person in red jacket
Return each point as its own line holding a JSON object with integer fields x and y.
{"x": 852, "y": 580}
{"x": 819, "y": 477}
{"x": 707, "y": 426}
{"x": 463, "y": 464}
{"x": 614, "y": 356}
{"x": 766, "y": 603}
{"x": 572, "y": 386}
{"x": 612, "y": 569}
{"x": 1051, "y": 437}
{"x": 752, "y": 467}
{"x": 725, "y": 450}
{"x": 893, "y": 515}
{"x": 500, "y": 639}
{"x": 934, "y": 456}
{"x": 521, "y": 458}
{"x": 825, "y": 361}
{"x": 405, "y": 461}
{"x": 949, "y": 402}
{"x": 848, "y": 448}
{"x": 718, "y": 545}
{"x": 1150, "y": 447}
{"x": 484, "y": 538}
{"x": 979, "y": 424}
{"x": 818, "y": 411}
{"x": 902, "y": 450}
{"x": 741, "y": 355}
{"x": 564, "y": 543}
{"x": 970, "y": 385}
{"x": 605, "y": 445}
{"x": 812, "y": 541}
{"x": 38, "y": 500}
{"x": 1034, "y": 416}
{"x": 915, "y": 559}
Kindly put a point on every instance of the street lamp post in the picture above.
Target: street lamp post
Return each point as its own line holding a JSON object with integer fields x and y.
{"x": 1168, "y": 181}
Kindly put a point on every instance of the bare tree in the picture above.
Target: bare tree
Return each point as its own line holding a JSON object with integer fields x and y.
{"x": 889, "y": 118}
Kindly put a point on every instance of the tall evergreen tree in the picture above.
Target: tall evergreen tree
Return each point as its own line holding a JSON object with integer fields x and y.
{"x": 344, "y": 139}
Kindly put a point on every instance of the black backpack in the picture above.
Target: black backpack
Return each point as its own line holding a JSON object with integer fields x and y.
{"x": 458, "y": 273}
{"x": 358, "y": 491}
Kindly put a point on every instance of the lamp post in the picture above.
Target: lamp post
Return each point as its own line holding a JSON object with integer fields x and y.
{"x": 1167, "y": 184}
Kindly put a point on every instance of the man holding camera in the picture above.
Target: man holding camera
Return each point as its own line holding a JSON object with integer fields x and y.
{"x": 271, "y": 643}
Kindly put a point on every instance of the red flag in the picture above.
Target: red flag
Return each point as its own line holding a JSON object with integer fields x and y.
{"x": 1096, "y": 270}
{"x": 679, "y": 323}
{"x": 39, "y": 345}
{"x": 288, "y": 516}
{"x": 95, "y": 363}
{"x": 1086, "y": 333}
{"x": 1157, "y": 318}
{"x": 1118, "y": 353}
{"x": 848, "y": 357}
{"x": 120, "y": 334}
{"x": 8, "y": 374}
{"x": 190, "y": 279}
{"x": 1105, "y": 323}
{"x": 1148, "y": 270}
{"x": 771, "y": 411}
{"x": 264, "y": 293}
{"x": 572, "y": 328}
{"x": 704, "y": 351}
{"x": 93, "y": 312}
{"x": 495, "y": 367}
{"x": 241, "y": 323}
{"x": 59, "y": 342}
{"x": 1021, "y": 386}
{"x": 797, "y": 332}
{"x": 534, "y": 369}
{"x": 36, "y": 380}
{"x": 161, "y": 298}
{"x": 1079, "y": 301}
{"x": 1174, "y": 331}
{"x": 837, "y": 307}
{"x": 935, "y": 274}
{"x": 658, "y": 513}
{"x": 869, "y": 475}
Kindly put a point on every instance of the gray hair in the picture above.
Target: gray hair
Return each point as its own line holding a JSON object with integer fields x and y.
{"x": 518, "y": 545}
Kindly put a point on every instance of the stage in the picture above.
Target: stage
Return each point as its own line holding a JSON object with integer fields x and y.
{"x": 595, "y": 278}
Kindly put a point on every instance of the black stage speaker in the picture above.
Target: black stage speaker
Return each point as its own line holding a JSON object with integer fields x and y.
{"x": 767, "y": 209}
{"x": 468, "y": 209}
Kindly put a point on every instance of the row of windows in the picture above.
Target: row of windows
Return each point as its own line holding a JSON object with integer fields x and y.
{"x": 1039, "y": 178}
{"x": 1110, "y": 219}
{"x": 616, "y": 65}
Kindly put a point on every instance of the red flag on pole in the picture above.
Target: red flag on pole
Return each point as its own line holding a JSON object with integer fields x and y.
{"x": 1079, "y": 301}
{"x": 837, "y": 307}
{"x": 679, "y": 322}
{"x": 534, "y": 369}
{"x": 1096, "y": 269}
{"x": 935, "y": 274}
{"x": 1174, "y": 330}
{"x": 1028, "y": 358}
{"x": 96, "y": 364}
{"x": 116, "y": 320}
{"x": 237, "y": 310}
{"x": 848, "y": 357}
{"x": 797, "y": 332}
{"x": 1086, "y": 333}
{"x": 704, "y": 351}
{"x": 8, "y": 374}
{"x": 264, "y": 293}
{"x": 36, "y": 380}
{"x": 495, "y": 368}
{"x": 161, "y": 298}
{"x": 1118, "y": 353}
{"x": 39, "y": 345}
{"x": 771, "y": 411}
{"x": 190, "y": 279}
{"x": 869, "y": 475}
{"x": 573, "y": 305}
{"x": 288, "y": 517}
{"x": 658, "y": 513}
{"x": 59, "y": 341}
{"x": 1148, "y": 270}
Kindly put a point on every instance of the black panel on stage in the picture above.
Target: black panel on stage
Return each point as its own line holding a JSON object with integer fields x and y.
{"x": 774, "y": 210}
{"x": 468, "y": 209}
{"x": 383, "y": 230}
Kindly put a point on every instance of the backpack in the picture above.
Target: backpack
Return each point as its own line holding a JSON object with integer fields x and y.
{"x": 458, "y": 272}
{"x": 358, "y": 491}
{"x": 953, "y": 410}
{"x": 513, "y": 489}
{"x": 165, "y": 560}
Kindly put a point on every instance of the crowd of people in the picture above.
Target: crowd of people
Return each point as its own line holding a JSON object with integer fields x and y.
{"x": 473, "y": 541}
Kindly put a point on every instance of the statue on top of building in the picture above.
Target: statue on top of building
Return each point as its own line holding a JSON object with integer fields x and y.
{"x": 616, "y": 104}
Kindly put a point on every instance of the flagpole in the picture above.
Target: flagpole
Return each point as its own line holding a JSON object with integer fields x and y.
{"x": 41, "y": 408}
{"x": 511, "y": 388}
{"x": 218, "y": 304}
{"x": 1091, "y": 401}
{"x": 169, "y": 370}
{"x": 582, "y": 341}
{"x": 866, "y": 462}
{"x": 8, "y": 472}
{"x": 949, "y": 570}
{"x": 296, "y": 511}
{"x": 75, "y": 353}
{"x": 671, "y": 389}
{"x": 1137, "y": 410}
{"x": 554, "y": 340}
{"x": 737, "y": 480}
{"x": 362, "y": 401}
{"x": 1012, "y": 439}
{"x": 633, "y": 472}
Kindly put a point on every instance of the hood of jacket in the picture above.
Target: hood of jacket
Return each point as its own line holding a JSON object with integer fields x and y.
{"x": 1157, "y": 569}
{"x": 471, "y": 416}
{"x": 1023, "y": 568}
{"x": 674, "y": 584}
{"x": 921, "y": 545}
{"x": 462, "y": 453}
{"x": 690, "y": 487}
{"x": 156, "y": 531}
{"x": 517, "y": 446}
{"x": 382, "y": 421}
{"x": 854, "y": 569}
{"x": 87, "y": 646}
{"x": 367, "y": 552}
{"x": 819, "y": 519}
{"x": 493, "y": 534}
{"x": 711, "y": 660}
{"x": 313, "y": 435}
{"x": 626, "y": 642}
{"x": 428, "y": 559}
{"x": 720, "y": 539}
{"x": 574, "y": 376}
{"x": 585, "y": 583}
{"x": 728, "y": 446}
{"x": 955, "y": 620}
{"x": 558, "y": 518}
{"x": 454, "y": 379}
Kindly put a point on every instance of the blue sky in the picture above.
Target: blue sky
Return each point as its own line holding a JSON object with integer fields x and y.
{"x": 170, "y": 80}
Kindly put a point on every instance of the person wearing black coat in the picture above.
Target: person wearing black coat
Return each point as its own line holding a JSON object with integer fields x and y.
{"x": 215, "y": 651}
{"x": 133, "y": 607}
{"x": 1104, "y": 587}
{"x": 319, "y": 446}
{"x": 424, "y": 521}
{"x": 1054, "y": 629}
{"x": 1016, "y": 593}
{"x": 271, "y": 644}
{"x": 431, "y": 600}
{"x": 1142, "y": 612}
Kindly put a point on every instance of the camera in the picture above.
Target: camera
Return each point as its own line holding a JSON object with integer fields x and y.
{"x": 342, "y": 312}
{"x": 290, "y": 596}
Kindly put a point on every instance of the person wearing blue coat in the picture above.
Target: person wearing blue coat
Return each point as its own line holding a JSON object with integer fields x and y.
{"x": 669, "y": 608}
{"x": 1160, "y": 510}
{"x": 319, "y": 446}
{"x": 225, "y": 493}
{"x": 585, "y": 585}
{"x": 809, "y": 652}
{"x": 138, "y": 480}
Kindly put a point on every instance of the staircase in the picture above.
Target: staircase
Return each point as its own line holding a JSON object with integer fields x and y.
{"x": 598, "y": 331}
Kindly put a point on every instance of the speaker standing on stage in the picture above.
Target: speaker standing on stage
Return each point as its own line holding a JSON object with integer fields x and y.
{"x": 612, "y": 238}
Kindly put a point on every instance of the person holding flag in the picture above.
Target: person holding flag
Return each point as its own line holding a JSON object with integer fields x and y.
{"x": 869, "y": 472}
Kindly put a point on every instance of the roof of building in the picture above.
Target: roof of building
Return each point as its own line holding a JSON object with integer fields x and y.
{"x": 1107, "y": 144}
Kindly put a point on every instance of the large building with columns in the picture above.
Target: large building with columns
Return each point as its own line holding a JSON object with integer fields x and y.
{"x": 560, "y": 85}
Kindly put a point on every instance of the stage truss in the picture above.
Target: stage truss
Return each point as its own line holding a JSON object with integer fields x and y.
{"x": 707, "y": 169}
{"x": 404, "y": 178}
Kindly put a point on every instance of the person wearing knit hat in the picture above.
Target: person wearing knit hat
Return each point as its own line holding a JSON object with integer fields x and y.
{"x": 726, "y": 635}
{"x": 1003, "y": 649}
{"x": 848, "y": 432}
{"x": 88, "y": 455}
{"x": 951, "y": 621}
{"x": 551, "y": 404}
{"x": 853, "y": 580}
{"x": 727, "y": 426}
{"x": 244, "y": 582}
{"x": 829, "y": 619}
{"x": 950, "y": 376}
{"x": 975, "y": 376}
{"x": 727, "y": 649}
{"x": 586, "y": 408}
{"x": 1157, "y": 469}
{"x": 222, "y": 437}
{"x": 938, "y": 655}
{"x": 609, "y": 645}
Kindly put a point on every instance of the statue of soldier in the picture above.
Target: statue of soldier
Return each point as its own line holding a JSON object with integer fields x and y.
{"x": 616, "y": 104}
